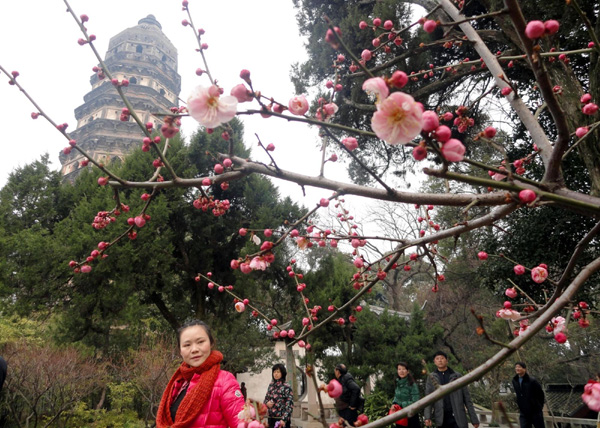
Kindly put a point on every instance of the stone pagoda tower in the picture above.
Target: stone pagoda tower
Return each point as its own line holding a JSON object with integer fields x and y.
{"x": 144, "y": 56}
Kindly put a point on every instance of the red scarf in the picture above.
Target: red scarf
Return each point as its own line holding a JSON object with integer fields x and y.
{"x": 194, "y": 399}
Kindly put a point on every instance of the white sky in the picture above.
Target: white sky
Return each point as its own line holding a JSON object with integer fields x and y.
{"x": 38, "y": 38}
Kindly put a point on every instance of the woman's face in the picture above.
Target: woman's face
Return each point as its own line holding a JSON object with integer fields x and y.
{"x": 195, "y": 346}
{"x": 402, "y": 372}
{"x": 276, "y": 374}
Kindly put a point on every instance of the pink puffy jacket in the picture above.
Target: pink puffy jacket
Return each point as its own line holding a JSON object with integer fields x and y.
{"x": 223, "y": 406}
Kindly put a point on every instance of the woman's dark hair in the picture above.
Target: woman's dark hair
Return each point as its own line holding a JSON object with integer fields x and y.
{"x": 410, "y": 377}
{"x": 522, "y": 364}
{"x": 282, "y": 369}
{"x": 193, "y": 323}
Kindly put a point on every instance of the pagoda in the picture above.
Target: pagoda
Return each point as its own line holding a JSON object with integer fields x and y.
{"x": 145, "y": 57}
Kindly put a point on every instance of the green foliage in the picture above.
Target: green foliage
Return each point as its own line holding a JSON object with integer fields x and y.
{"x": 377, "y": 405}
{"x": 84, "y": 417}
{"x": 17, "y": 329}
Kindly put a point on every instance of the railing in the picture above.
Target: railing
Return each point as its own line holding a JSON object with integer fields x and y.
{"x": 488, "y": 417}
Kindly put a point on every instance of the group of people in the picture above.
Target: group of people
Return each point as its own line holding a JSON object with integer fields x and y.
{"x": 200, "y": 394}
{"x": 451, "y": 411}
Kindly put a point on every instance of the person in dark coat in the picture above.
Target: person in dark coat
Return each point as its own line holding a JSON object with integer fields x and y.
{"x": 347, "y": 403}
{"x": 530, "y": 398}
{"x": 3, "y": 369}
{"x": 449, "y": 412}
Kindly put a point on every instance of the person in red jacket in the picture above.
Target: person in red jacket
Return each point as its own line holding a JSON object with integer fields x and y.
{"x": 200, "y": 394}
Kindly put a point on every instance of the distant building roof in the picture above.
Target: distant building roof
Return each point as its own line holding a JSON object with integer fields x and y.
{"x": 565, "y": 400}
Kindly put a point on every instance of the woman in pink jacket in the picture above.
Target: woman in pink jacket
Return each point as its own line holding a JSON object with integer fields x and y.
{"x": 200, "y": 394}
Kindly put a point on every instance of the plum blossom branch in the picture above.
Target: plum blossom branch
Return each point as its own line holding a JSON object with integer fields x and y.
{"x": 247, "y": 167}
{"x": 198, "y": 35}
{"x": 487, "y": 219}
{"x": 571, "y": 202}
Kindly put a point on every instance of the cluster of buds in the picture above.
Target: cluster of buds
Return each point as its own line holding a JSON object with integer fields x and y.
{"x": 589, "y": 108}
{"x": 103, "y": 219}
{"x": 383, "y": 41}
{"x": 117, "y": 82}
{"x": 452, "y": 149}
{"x": 99, "y": 72}
{"x": 537, "y": 29}
{"x": 326, "y": 110}
{"x": 125, "y": 114}
{"x": 170, "y": 127}
{"x": 13, "y": 80}
{"x": 147, "y": 142}
{"x": 217, "y": 206}
{"x": 83, "y": 42}
{"x": 462, "y": 122}
{"x": 580, "y": 314}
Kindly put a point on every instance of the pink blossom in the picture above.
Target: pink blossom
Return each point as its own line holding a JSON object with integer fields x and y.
{"x": 581, "y": 131}
{"x": 508, "y": 314}
{"x": 366, "y": 55}
{"x": 526, "y": 196}
{"x": 535, "y": 29}
{"x": 258, "y": 263}
{"x": 377, "y": 87}
{"x": 498, "y": 176}
{"x": 482, "y": 255}
{"x": 590, "y": 109}
{"x": 298, "y": 105}
{"x": 506, "y": 91}
{"x": 359, "y": 262}
{"x": 585, "y": 98}
{"x": 591, "y": 395}
{"x": 560, "y": 324}
{"x": 443, "y": 133}
{"x": 399, "y": 79}
{"x": 430, "y": 121}
{"x": 511, "y": 292}
{"x": 429, "y": 26}
{"x": 539, "y": 274}
{"x": 453, "y": 150}
{"x": 241, "y": 93}
{"x": 419, "y": 153}
{"x": 350, "y": 143}
{"x": 328, "y": 110}
{"x": 240, "y": 307}
{"x": 398, "y": 119}
{"x": 210, "y": 109}
{"x": 560, "y": 337}
{"x": 489, "y": 132}
{"x": 519, "y": 269}
{"x": 551, "y": 26}
{"x": 245, "y": 268}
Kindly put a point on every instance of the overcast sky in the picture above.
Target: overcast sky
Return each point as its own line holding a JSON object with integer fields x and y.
{"x": 39, "y": 39}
